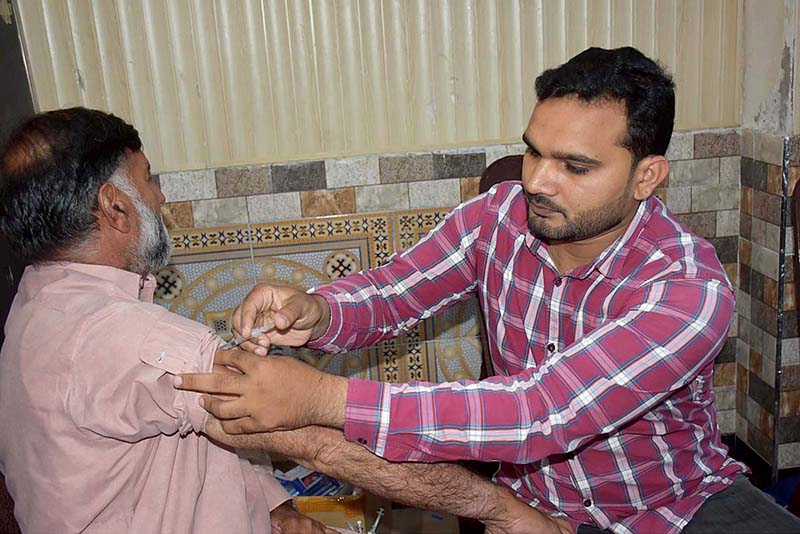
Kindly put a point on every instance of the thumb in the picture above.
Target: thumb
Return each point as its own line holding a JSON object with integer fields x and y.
{"x": 259, "y": 301}
{"x": 287, "y": 316}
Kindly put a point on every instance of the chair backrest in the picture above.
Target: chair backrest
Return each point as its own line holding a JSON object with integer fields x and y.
{"x": 501, "y": 170}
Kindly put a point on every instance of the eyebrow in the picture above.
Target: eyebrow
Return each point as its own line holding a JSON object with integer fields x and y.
{"x": 577, "y": 158}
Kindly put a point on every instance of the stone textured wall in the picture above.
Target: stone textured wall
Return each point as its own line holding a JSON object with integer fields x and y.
{"x": 766, "y": 249}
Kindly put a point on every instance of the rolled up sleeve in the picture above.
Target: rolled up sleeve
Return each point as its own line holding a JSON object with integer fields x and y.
{"x": 121, "y": 380}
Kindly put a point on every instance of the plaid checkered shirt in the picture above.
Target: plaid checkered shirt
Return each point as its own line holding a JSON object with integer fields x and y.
{"x": 602, "y": 410}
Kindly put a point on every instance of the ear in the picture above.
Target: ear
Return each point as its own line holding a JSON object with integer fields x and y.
{"x": 115, "y": 208}
{"x": 650, "y": 173}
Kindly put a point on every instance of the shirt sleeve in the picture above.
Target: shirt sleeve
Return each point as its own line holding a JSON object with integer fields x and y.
{"x": 121, "y": 379}
{"x": 381, "y": 303}
{"x": 259, "y": 478}
{"x": 666, "y": 336}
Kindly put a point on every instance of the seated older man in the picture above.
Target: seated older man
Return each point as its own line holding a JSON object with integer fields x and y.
{"x": 94, "y": 437}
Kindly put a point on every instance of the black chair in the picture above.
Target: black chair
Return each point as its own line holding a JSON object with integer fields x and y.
{"x": 502, "y": 170}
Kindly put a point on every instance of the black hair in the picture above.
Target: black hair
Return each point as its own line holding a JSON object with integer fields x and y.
{"x": 50, "y": 172}
{"x": 623, "y": 75}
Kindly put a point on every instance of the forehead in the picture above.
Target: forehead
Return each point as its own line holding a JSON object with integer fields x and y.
{"x": 573, "y": 125}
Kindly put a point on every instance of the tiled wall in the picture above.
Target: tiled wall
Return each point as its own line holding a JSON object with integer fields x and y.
{"x": 703, "y": 192}
{"x": 303, "y": 223}
{"x": 765, "y": 250}
{"x": 294, "y": 190}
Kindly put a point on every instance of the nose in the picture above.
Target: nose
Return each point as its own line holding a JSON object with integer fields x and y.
{"x": 161, "y": 198}
{"x": 539, "y": 175}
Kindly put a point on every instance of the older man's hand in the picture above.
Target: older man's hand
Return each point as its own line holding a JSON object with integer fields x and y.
{"x": 287, "y": 520}
{"x": 271, "y": 393}
{"x": 519, "y": 518}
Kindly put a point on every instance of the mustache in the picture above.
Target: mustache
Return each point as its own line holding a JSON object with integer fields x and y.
{"x": 543, "y": 201}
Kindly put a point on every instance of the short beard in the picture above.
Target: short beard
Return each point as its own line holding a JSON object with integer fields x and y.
{"x": 153, "y": 248}
{"x": 582, "y": 225}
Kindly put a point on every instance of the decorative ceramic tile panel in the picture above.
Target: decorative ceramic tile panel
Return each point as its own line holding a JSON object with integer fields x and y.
{"x": 213, "y": 269}
{"x": 453, "y": 345}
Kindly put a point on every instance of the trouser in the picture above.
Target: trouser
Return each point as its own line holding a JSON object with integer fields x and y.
{"x": 740, "y": 508}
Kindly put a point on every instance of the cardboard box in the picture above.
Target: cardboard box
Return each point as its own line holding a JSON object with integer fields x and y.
{"x": 334, "y": 511}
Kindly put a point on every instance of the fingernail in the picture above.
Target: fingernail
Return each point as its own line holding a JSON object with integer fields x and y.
{"x": 177, "y": 381}
{"x": 201, "y": 402}
{"x": 262, "y": 342}
{"x": 261, "y": 351}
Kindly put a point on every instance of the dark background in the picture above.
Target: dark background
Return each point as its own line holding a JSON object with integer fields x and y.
{"x": 16, "y": 104}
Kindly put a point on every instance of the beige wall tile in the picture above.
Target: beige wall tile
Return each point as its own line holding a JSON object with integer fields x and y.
{"x": 328, "y": 202}
{"x": 188, "y": 185}
{"x": 681, "y": 146}
{"x": 727, "y": 222}
{"x": 219, "y": 212}
{"x": 386, "y": 197}
{"x": 679, "y": 199}
{"x": 276, "y": 207}
{"x": 177, "y": 215}
{"x": 714, "y": 197}
{"x": 434, "y": 194}
{"x": 469, "y": 187}
{"x": 695, "y": 172}
{"x": 730, "y": 171}
{"x": 345, "y": 172}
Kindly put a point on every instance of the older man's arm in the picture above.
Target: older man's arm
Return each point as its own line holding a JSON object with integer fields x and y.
{"x": 440, "y": 487}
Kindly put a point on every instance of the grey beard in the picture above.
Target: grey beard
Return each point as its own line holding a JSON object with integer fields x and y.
{"x": 154, "y": 247}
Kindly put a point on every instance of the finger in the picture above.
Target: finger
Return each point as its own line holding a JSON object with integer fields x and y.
{"x": 224, "y": 409}
{"x": 257, "y": 302}
{"x": 232, "y": 426}
{"x": 236, "y": 321}
{"x": 237, "y": 359}
{"x": 287, "y": 316}
{"x": 225, "y": 370}
{"x": 244, "y": 425}
{"x": 259, "y": 345}
{"x": 210, "y": 383}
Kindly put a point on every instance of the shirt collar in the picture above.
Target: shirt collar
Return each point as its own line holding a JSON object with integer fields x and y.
{"x": 610, "y": 261}
{"x": 131, "y": 284}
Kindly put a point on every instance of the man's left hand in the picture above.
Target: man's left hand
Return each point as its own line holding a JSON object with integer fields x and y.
{"x": 286, "y": 520}
{"x": 271, "y": 393}
{"x": 516, "y": 517}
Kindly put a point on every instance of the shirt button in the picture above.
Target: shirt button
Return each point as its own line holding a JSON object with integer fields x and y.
{"x": 587, "y": 502}
{"x": 558, "y": 282}
{"x": 551, "y": 347}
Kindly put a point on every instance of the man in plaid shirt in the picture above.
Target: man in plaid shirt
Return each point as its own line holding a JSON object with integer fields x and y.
{"x": 604, "y": 315}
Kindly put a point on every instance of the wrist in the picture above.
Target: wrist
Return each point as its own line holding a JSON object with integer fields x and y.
{"x": 497, "y": 506}
{"x": 325, "y": 317}
{"x": 330, "y": 400}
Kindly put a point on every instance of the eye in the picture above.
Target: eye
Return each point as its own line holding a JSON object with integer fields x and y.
{"x": 532, "y": 153}
{"x": 576, "y": 170}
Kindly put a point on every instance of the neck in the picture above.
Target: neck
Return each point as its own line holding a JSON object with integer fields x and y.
{"x": 97, "y": 251}
{"x": 568, "y": 255}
